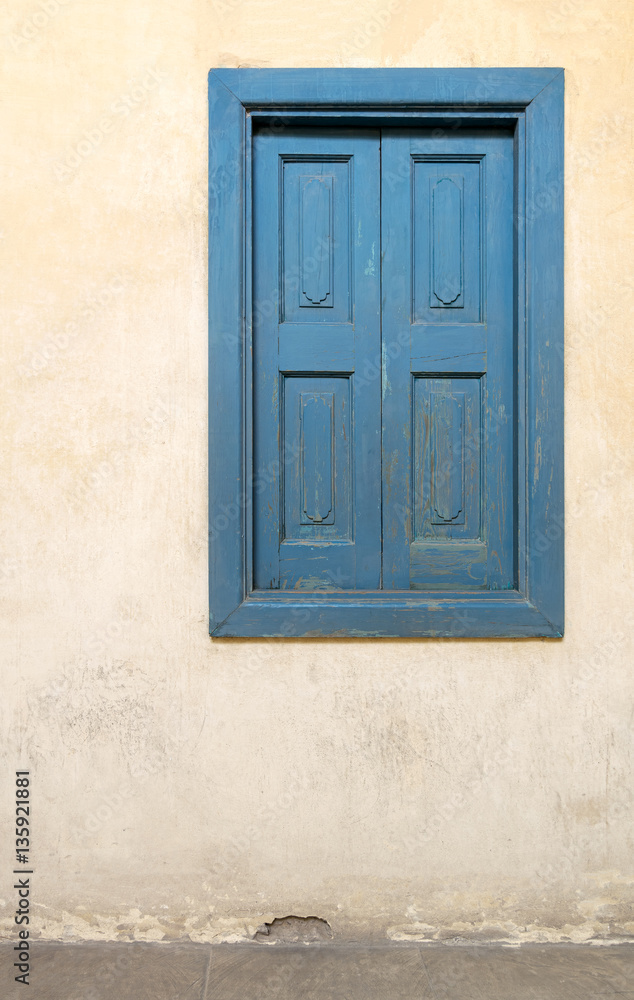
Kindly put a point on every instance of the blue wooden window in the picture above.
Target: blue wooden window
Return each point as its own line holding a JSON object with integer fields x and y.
{"x": 386, "y": 384}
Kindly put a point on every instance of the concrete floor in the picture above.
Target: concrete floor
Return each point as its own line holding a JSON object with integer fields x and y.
{"x": 321, "y": 972}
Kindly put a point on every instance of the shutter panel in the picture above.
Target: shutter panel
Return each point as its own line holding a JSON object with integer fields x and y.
{"x": 316, "y": 366}
{"x": 448, "y": 327}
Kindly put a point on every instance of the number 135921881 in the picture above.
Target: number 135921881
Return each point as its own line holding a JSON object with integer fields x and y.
{"x": 22, "y": 816}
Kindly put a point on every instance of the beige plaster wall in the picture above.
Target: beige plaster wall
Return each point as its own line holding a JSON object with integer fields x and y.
{"x": 397, "y": 789}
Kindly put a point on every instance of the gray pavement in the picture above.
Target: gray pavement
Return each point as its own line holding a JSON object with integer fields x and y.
{"x": 320, "y": 972}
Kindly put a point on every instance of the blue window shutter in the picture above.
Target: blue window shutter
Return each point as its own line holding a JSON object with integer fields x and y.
{"x": 386, "y": 376}
{"x": 316, "y": 329}
{"x": 448, "y": 408}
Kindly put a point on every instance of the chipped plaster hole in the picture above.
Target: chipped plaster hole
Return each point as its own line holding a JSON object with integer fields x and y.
{"x": 294, "y": 930}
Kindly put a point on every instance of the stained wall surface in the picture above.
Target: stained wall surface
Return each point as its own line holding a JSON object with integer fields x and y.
{"x": 397, "y": 789}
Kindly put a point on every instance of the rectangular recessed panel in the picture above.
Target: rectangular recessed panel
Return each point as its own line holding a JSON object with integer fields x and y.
{"x": 447, "y": 251}
{"x": 447, "y": 454}
{"x": 316, "y": 458}
{"x": 315, "y": 246}
{"x": 447, "y": 242}
{"x": 447, "y": 457}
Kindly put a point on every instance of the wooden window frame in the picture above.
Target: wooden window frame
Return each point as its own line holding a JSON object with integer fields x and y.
{"x": 532, "y": 101}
